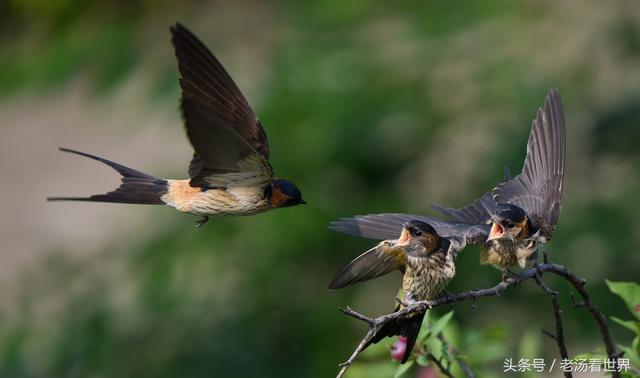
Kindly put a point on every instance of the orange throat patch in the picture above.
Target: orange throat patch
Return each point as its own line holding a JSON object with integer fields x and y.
{"x": 278, "y": 198}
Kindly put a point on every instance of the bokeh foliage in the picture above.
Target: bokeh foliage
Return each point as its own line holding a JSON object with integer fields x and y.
{"x": 369, "y": 108}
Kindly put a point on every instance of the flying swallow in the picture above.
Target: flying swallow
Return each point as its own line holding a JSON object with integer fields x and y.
{"x": 229, "y": 173}
{"x": 426, "y": 261}
{"x": 510, "y": 221}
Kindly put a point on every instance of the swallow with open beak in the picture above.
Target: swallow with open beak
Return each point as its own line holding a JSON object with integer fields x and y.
{"x": 229, "y": 173}
{"x": 426, "y": 261}
{"x": 524, "y": 211}
{"x": 510, "y": 221}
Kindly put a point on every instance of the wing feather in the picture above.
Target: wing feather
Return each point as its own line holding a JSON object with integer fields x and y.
{"x": 477, "y": 212}
{"x": 378, "y": 261}
{"x": 221, "y": 126}
{"x": 389, "y": 226}
{"x": 538, "y": 188}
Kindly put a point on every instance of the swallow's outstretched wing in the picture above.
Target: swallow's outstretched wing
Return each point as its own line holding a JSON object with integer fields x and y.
{"x": 538, "y": 188}
{"x": 389, "y": 226}
{"x": 477, "y": 212}
{"x": 378, "y": 261}
{"x": 230, "y": 144}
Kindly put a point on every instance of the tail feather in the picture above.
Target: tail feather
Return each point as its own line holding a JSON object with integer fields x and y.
{"x": 136, "y": 187}
{"x": 408, "y": 328}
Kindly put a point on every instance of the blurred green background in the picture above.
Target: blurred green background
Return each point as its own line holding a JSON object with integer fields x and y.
{"x": 369, "y": 107}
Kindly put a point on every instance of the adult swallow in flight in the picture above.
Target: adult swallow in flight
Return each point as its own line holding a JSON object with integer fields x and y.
{"x": 426, "y": 261}
{"x": 510, "y": 221}
{"x": 229, "y": 173}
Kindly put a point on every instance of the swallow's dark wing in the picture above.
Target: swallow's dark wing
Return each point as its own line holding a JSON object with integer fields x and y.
{"x": 538, "y": 188}
{"x": 229, "y": 142}
{"x": 477, "y": 212}
{"x": 378, "y": 261}
{"x": 389, "y": 226}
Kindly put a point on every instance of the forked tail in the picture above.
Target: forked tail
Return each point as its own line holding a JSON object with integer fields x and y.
{"x": 136, "y": 187}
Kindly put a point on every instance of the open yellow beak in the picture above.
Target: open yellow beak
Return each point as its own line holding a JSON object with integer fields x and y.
{"x": 496, "y": 232}
{"x": 404, "y": 238}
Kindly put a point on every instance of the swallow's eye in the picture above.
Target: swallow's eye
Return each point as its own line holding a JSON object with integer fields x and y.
{"x": 508, "y": 224}
{"x": 417, "y": 233}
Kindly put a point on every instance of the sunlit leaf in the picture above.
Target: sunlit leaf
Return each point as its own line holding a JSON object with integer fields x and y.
{"x": 629, "y": 292}
{"x": 629, "y": 324}
{"x": 441, "y": 323}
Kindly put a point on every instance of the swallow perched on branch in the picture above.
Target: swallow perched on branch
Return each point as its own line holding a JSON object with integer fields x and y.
{"x": 510, "y": 221}
{"x": 524, "y": 211}
{"x": 426, "y": 261}
{"x": 229, "y": 173}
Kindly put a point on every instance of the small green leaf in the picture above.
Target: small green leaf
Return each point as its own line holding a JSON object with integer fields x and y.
{"x": 633, "y": 357}
{"x": 629, "y": 324}
{"x": 439, "y": 325}
{"x": 434, "y": 346}
{"x": 630, "y": 292}
{"x": 422, "y": 360}
{"x": 402, "y": 369}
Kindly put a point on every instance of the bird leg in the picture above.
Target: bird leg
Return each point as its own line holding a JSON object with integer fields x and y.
{"x": 506, "y": 274}
{"x": 401, "y": 302}
{"x": 202, "y": 221}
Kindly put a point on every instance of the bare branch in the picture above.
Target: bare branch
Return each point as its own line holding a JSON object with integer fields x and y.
{"x": 557, "y": 314}
{"x": 353, "y": 314}
{"x": 441, "y": 367}
{"x": 544, "y": 286}
{"x": 575, "y": 303}
{"x": 533, "y": 273}
{"x": 345, "y": 365}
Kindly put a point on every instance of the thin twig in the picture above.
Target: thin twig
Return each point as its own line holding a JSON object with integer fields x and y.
{"x": 422, "y": 306}
{"x": 345, "y": 365}
{"x": 441, "y": 367}
{"x": 557, "y": 314}
{"x": 575, "y": 303}
{"x": 350, "y": 312}
{"x": 597, "y": 315}
{"x": 544, "y": 286}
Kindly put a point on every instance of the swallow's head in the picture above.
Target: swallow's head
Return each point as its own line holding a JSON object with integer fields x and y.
{"x": 508, "y": 222}
{"x": 283, "y": 193}
{"x": 419, "y": 234}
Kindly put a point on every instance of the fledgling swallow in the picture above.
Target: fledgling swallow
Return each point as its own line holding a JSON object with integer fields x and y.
{"x": 229, "y": 173}
{"x": 426, "y": 261}
{"x": 510, "y": 221}
{"x": 524, "y": 211}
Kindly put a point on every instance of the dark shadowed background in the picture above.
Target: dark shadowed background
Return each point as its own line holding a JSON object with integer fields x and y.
{"x": 368, "y": 108}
